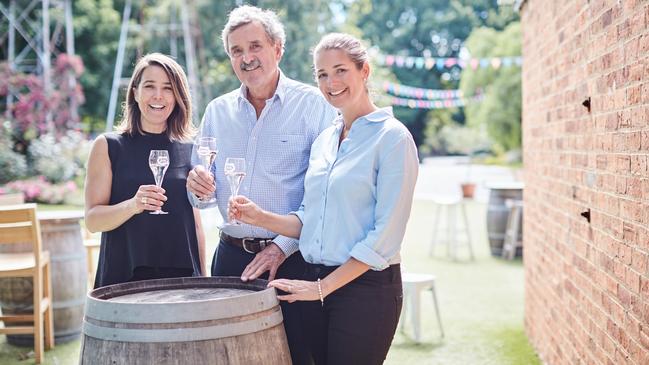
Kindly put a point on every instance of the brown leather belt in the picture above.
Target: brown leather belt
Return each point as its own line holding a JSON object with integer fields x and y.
{"x": 248, "y": 244}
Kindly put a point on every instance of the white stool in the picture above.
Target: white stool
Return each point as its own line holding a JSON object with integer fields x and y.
{"x": 452, "y": 232}
{"x": 511, "y": 242}
{"x": 413, "y": 284}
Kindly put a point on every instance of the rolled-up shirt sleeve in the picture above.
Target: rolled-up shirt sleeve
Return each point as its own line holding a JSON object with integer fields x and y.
{"x": 395, "y": 184}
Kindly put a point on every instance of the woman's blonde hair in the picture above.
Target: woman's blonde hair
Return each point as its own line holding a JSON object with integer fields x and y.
{"x": 179, "y": 123}
{"x": 349, "y": 44}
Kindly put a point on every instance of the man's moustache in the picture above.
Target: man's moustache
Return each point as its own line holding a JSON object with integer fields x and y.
{"x": 252, "y": 65}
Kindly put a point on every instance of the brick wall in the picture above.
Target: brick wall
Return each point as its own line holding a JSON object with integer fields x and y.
{"x": 587, "y": 283}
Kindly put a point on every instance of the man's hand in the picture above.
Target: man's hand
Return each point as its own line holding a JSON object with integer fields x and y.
{"x": 200, "y": 182}
{"x": 268, "y": 259}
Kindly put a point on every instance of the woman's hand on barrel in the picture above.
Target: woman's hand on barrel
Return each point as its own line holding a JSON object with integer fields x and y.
{"x": 244, "y": 210}
{"x": 296, "y": 289}
{"x": 148, "y": 197}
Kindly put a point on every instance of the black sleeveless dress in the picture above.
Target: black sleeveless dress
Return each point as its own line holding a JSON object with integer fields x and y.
{"x": 156, "y": 245}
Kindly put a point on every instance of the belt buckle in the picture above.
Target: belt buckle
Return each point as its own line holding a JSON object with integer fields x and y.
{"x": 262, "y": 245}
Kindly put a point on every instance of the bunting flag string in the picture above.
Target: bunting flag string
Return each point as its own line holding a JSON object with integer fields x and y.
{"x": 441, "y": 63}
{"x": 431, "y": 104}
{"x": 419, "y": 93}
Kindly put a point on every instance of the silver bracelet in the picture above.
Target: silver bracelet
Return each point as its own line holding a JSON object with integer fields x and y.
{"x": 320, "y": 293}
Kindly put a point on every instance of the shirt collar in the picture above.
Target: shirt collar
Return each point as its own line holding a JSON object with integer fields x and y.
{"x": 280, "y": 91}
{"x": 379, "y": 115}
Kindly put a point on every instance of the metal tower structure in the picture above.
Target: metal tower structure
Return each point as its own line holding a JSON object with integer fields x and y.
{"x": 33, "y": 37}
{"x": 182, "y": 15}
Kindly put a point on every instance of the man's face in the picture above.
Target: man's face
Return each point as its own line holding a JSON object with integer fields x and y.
{"x": 254, "y": 58}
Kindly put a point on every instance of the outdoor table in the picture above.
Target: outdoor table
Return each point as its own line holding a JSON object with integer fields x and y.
{"x": 61, "y": 236}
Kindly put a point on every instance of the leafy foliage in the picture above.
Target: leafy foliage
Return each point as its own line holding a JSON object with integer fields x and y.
{"x": 434, "y": 28}
{"x": 500, "y": 111}
{"x": 60, "y": 159}
{"x": 28, "y": 114}
{"x": 12, "y": 164}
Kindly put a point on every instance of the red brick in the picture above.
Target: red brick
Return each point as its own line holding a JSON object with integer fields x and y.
{"x": 644, "y": 336}
{"x": 634, "y": 187}
{"x": 644, "y": 290}
{"x": 639, "y": 261}
{"x": 632, "y": 280}
{"x": 645, "y": 141}
{"x": 644, "y": 93}
{"x": 623, "y": 164}
{"x": 620, "y": 185}
{"x": 633, "y": 95}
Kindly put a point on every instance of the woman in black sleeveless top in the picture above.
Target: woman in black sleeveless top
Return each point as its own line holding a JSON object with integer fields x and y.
{"x": 120, "y": 189}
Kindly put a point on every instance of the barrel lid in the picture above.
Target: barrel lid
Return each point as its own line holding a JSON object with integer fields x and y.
{"x": 254, "y": 296}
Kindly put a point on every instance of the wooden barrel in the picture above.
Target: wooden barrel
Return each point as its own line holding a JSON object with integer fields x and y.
{"x": 61, "y": 236}
{"x": 199, "y": 320}
{"x": 497, "y": 213}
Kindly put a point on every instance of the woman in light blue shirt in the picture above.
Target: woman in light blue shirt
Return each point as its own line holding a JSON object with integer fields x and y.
{"x": 357, "y": 200}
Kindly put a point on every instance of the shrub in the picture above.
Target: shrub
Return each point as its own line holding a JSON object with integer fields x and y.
{"x": 12, "y": 165}
{"x": 39, "y": 190}
{"x": 59, "y": 160}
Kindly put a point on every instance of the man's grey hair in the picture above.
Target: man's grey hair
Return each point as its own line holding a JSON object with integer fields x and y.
{"x": 247, "y": 14}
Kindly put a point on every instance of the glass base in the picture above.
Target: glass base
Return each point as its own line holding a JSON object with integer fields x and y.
{"x": 210, "y": 200}
{"x": 158, "y": 212}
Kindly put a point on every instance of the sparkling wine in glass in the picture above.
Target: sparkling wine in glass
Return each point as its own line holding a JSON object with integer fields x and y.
{"x": 159, "y": 162}
{"x": 235, "y": 171}
{"x": 207, "y": 153}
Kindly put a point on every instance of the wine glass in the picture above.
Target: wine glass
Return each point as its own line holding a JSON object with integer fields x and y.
{"x": 207, "y": 153}
{"x": 235, "y": 171}
{"x": 159, "y": 162}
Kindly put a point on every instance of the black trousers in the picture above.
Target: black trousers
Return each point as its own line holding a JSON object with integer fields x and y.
{"x": 230, "y": 260}
{"x": 357, "y": 322}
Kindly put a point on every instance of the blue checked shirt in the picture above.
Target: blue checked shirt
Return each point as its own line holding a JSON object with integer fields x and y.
{"x": 276, "y": 148}
{"x": 358, "y": 197}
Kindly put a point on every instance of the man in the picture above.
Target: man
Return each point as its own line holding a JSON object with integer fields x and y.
{"x": 271, "y": 121}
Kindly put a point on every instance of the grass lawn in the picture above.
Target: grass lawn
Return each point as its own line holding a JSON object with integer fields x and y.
{"x": 481, "y": 304}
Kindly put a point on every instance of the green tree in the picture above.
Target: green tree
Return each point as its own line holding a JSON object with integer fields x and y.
{"x": 500, "y": 110}
{"x": 305, "y": 21}
{"x": 96, "y": 33}
{"x": 434, "y": 28}
{"x": 97, "y": 27}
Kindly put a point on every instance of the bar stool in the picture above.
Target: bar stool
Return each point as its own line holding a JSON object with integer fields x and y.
{"x": 413, "y": 285}
{"x": 449, "y": 206}
{"x": 511, "y": 242}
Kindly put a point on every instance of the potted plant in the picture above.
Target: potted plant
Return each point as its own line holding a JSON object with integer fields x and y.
{"x": 468, "y": 186}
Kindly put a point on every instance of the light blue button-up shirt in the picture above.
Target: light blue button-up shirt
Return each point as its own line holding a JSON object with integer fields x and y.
{"x": 358, "y": 197}
{"x": 276, "y": 148}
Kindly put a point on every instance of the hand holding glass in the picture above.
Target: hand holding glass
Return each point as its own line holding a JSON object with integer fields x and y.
{"x": 158, "y": 162}
{"x": 235, "y": 171}
{"x": 207, "y": 153}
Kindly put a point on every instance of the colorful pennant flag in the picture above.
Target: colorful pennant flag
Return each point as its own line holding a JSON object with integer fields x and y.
{"x": 447, "y": 62}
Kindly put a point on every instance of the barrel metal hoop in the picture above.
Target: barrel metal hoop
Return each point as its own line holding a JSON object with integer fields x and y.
{"x": 183, "y": 334}
{"x": 211, "y": 309}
